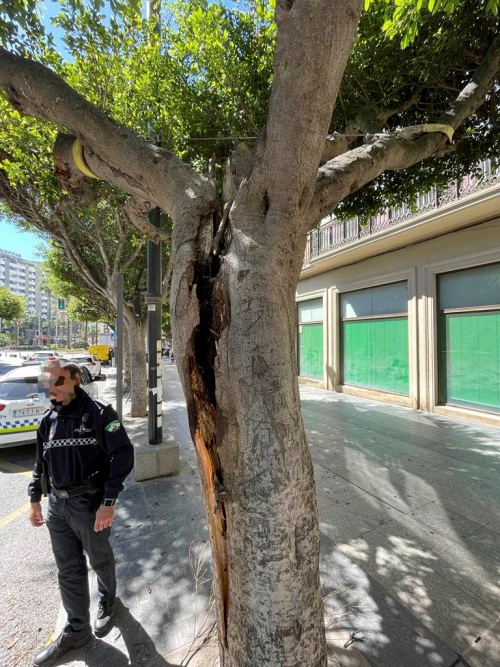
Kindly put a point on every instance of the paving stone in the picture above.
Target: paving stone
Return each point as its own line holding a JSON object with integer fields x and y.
{"x": 387, "y": 634}
{"x": 494, "y": 525}
{"x": 453, "y": 525}
{"x": 393, "y": 494}
{"x": 188, "y": 542}
{"x": 475, "y": 503}
{"x": 484, "y": 650}
{"x": 341, "y": 521}
{"x": 412, "y": 572}
{"x": 485, "y": 541}
{"x": 329, "y": 485}
{"x": 188, "y": 590}
{"x": 476, "y": 576}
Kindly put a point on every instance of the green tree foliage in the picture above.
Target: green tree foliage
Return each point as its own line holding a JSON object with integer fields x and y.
{"x": 83, "y": 311}
{"x": 208, "y": 79}
{"x": 403, "y": 17}
{"x": 12, "y": 307}
{"x": 106, "y": 245}
{"x": 209, "y": 76}
{"x": 414, "y": 82}
{"x": 62, "y": 278}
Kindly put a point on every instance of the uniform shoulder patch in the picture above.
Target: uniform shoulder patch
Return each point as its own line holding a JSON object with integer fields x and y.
{"x": 113, "y": 426}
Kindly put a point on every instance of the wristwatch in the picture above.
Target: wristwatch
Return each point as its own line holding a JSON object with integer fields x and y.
{"x": 109, "y": 502}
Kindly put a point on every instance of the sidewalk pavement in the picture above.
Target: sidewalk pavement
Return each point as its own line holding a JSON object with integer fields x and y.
{"x": 409, "y": 515}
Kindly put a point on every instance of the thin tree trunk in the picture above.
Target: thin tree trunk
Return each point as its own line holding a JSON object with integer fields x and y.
{"x": 136, "y": 335}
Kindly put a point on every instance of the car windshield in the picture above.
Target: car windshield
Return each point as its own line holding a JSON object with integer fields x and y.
{"x": 16, "y": 390}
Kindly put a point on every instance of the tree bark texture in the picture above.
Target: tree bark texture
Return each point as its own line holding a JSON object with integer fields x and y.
{"x": 136, "y": 362}
{"x": 234, "y": 322}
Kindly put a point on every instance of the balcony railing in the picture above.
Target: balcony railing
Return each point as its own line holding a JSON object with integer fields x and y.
{"x": 333, "y": 233}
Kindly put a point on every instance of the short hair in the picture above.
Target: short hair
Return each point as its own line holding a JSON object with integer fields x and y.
{"x": 75, "y": 371}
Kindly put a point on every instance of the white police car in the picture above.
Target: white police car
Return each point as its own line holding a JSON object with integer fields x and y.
{"x": 23, "y": 402}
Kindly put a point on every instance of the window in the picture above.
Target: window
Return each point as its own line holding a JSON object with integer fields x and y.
{"x": 469, "y": 337}
{"x": 310, "y": 338}
{"x": 374, "y": 337}
{"x": 19, "y": 389}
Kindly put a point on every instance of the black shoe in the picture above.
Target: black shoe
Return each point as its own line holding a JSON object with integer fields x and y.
{"x": 105, "y": 618}
{"x": 67, "y": 640}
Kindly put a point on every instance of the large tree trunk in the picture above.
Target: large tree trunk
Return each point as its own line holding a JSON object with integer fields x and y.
{"x": 136, "y": 357}
{"x": 234, "y": 325}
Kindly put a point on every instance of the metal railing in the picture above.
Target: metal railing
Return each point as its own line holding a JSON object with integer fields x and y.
{"x": 333, "y": 233}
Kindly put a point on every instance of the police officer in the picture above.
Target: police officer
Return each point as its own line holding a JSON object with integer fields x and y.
{"x": 83, "y": 456}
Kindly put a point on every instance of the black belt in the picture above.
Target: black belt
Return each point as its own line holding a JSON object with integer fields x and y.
{"x": 74, "y": 491}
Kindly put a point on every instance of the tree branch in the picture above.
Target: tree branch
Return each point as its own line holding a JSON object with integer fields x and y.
{"x": 101, "y": 244}
{"x": 112, "y": 151}
{"x": 314, "y": 41}
{"x": 132, "y": 257}
{"x": 335, "y": 145}
{"x": 385, "y": 114}
{"x": 349, "y": 172}
{"x": 137, "y": 210}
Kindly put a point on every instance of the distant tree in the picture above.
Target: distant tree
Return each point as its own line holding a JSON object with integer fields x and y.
{"x": 12, "y": 306}
{"x": 83, "y": 311}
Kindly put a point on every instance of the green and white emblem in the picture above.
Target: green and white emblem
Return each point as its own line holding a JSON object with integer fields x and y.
{"x": 113, "y": 426}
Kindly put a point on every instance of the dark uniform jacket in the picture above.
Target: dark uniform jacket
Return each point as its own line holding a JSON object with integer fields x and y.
{"x": 78, "y": 440}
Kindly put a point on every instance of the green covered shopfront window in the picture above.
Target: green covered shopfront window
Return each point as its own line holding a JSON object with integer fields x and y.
{"x": 469, "y": 337}
{"x": 310, "y": 338}
{"x": 374, "y": 338}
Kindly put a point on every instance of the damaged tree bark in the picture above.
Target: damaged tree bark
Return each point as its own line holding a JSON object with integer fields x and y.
{"x": 234, "y": 335}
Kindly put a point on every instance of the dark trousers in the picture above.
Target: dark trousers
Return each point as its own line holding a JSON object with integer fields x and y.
{"x": 71, "y": 527}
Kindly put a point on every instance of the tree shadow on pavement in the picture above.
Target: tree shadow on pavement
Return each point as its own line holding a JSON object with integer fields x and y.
{"x": 410, "y": 535}
{"x": 140, "y": 648}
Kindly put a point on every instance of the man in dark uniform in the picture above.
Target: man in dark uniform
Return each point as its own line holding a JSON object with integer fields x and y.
{"x": 83, "y": 456}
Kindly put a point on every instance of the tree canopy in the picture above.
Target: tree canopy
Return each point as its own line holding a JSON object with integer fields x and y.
{"x": 12, "y": 306}
{"x": 208, "y": 81}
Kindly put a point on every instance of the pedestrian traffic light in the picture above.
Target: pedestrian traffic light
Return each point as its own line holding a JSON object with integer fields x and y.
{"x": 61, "y": 304}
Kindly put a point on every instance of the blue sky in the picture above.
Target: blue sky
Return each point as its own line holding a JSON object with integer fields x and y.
{"x": 16, "y": 240}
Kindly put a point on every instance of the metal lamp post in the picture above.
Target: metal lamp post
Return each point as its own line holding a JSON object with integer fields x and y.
{"x": 154, "y": 303}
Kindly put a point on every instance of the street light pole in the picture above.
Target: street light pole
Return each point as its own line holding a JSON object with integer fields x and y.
{"x": 154, "y": 303}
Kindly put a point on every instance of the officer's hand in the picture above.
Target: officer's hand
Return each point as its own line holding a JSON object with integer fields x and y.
{"x": 104, "y": 518}
{"x": 35, "y": 515}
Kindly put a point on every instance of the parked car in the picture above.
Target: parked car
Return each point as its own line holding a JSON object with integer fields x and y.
{"x": 23, "y": 403}
{"x": 39, "y": 357}
{"x": 90, "y": 361}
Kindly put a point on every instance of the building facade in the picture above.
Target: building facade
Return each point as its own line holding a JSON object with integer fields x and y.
{"x": 22, "y": 277}
{"x": 406, "y": 309}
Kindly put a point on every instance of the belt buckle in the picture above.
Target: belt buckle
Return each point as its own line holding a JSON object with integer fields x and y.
{"x": 63, "y": 493}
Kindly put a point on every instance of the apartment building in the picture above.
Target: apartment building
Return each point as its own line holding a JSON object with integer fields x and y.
{"x": 22, "y": 277}
{"x": 406, "y": 308}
